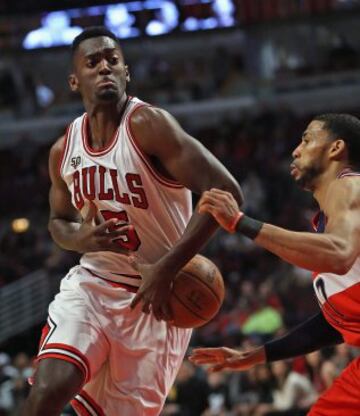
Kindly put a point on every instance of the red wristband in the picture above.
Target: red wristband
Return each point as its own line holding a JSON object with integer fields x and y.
{"x": 235, "y": 221}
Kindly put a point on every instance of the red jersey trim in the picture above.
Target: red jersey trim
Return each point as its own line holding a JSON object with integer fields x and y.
{"x": 84, "y": 398}
{"x": 66, "y": 353}
{"x": 82, "y": 402}
{"x": 79, "y": 408}
{"x": 144, "y": 157}
{"x": 347, "y": 172}
{"x": 100, "y": 152}
{"x": 65, "y": 148}
{"x": 64, "y": 357}
{"x": 46, "y": 332}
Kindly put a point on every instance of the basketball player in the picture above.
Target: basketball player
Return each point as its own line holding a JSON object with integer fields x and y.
{"x": 326, "y": 163}
{"x": 121, "y": 162}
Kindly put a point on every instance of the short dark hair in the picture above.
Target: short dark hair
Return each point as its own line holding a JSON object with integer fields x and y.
{"x": 93, "y": 32}
{"x": 347, "y": 128}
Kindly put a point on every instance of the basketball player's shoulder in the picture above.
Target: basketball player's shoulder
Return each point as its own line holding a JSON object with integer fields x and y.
{"x": 57, "y": 148}
{"x": 55, "y": 157}
{"x": 151, "y": 125}
{"x": 347, "y": 190}
{"x": 148, "y": 116}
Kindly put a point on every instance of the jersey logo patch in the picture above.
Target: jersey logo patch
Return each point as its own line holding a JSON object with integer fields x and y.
{"x": 75, "y": 161}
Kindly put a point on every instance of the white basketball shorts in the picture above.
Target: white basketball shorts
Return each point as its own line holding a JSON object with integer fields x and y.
{"x": 129, "y": 359}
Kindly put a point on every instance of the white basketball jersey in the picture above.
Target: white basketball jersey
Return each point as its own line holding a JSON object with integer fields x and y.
{"x": 122, "y": 183}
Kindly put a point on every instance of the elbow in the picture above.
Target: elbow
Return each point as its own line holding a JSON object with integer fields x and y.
{"x": 235, "y": 189}
{"x": 50, "y": 227}
{"x": 342, "y": 263}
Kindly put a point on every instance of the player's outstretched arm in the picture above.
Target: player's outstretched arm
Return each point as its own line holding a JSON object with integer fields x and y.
{"x": 223, "y": 358}
{"x": 184, "y": 159}
{"x": 311, "y": 335}
{"x": 333, "y": 251}
{"x": 66, "y": 226}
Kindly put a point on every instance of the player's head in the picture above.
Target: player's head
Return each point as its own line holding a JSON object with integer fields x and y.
{"x": 328, "y": 139}
{"x": 99, "y": 71}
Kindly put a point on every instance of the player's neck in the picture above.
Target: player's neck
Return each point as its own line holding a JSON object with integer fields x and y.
{"x": 324, "y": 181}
{"x": 103, "y": 122}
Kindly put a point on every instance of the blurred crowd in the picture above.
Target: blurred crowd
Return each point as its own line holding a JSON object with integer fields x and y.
{"x": 279, "y": 389}
{"x": 168, "y": 78}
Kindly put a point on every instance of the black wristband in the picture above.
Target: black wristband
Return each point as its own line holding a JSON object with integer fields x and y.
{"x": 249, "y": 227}
{"x": 311, "y": 335}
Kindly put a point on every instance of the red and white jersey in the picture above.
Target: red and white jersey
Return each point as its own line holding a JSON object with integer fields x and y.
{"x": 339, "y": 295}
{"x": 121, "y": 181}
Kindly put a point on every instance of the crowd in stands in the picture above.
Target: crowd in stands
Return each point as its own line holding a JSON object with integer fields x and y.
{"x": 169, "y": 78}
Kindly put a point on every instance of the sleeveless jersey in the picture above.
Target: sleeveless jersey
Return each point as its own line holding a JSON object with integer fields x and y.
{"x": 121, "y": 181}
{"x": 339, "y": 295}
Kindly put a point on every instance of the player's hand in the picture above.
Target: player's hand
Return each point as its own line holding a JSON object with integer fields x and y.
{"x": 154, "y": 291}
{"x": 222, "y": 206}
{"x": 227, "y": 359}
{"x": 90, "y": 238}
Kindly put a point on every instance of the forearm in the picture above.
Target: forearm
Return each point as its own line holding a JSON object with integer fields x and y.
{"x": 63, "y": 233}
{"x": 307, "y": 250}
{"x": 199, "y": 230}
{"x": 197, "y": 233}
{"x": 313, "y": 334}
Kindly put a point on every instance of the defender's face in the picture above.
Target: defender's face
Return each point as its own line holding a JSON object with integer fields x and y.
{"x": 310, "y": 157}
{"x": 100, "y": 74}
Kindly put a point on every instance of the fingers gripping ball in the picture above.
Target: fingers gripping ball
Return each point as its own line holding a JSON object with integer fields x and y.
{"x": 197, "y": 293}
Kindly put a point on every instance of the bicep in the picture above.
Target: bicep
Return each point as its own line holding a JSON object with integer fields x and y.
{"x": 191, "y": 164}
{"x": 182, "y": 156}
{"x": 344, "y": 220}
{"x": 61, "y": 206}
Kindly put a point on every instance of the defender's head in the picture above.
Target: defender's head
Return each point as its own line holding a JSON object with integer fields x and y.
{"x": 328, "y": 139}
{"x": 99, "y": 72}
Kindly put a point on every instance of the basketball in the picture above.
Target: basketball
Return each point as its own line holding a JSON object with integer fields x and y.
{"x": 197, "y": 293}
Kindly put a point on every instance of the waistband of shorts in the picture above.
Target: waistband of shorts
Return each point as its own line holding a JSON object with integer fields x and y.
{"x": 126, "y": 286}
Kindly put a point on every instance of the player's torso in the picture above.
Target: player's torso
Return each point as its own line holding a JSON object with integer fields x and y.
{"x": 339, "y": 295}
{"x": 122, "y": 183}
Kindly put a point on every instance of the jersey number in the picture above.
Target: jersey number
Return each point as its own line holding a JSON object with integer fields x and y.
{"x": 131, "y": 240}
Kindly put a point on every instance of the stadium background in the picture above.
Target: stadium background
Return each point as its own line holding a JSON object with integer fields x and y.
{"x": 244, "y": 77}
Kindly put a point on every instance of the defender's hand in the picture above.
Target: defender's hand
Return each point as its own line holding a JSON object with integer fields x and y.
{"x": 222, "y": 206}
{"x": 227, "y": 359}
{"x": 154, "y": 291}
{"x": 90, "y": 238}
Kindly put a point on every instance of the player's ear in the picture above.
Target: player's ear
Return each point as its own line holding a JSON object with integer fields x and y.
{"x": 338, "y": 149}
{"x": 127, "y": 73}
{"x": 73, "y": 82}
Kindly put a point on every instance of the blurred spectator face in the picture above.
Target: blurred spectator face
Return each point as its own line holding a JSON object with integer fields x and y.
{"x": 186, "y": 372}
{"x": 313, "y": 359}
{"x": 280, "y": 369}
{"x": 343, "y": 350}
{"x": 264, "y": 373}
{"x": 100, "y": 74}
{"x": 21, "y": 361}
{"x": 311, "y": 156}
{"x": 216, "y": 379}
{"x": 328, "y": 373}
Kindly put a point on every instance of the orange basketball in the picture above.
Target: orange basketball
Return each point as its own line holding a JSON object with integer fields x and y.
{"x": 197, "y": 293}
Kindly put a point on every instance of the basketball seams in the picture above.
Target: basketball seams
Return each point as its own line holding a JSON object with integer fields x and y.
{"x": 194, "y": 276}
{"x": 186, "y": 306}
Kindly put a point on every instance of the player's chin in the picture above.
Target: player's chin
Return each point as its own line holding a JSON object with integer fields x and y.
{"x": 109, "y": 94}
{"x": 301, "y": 182}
